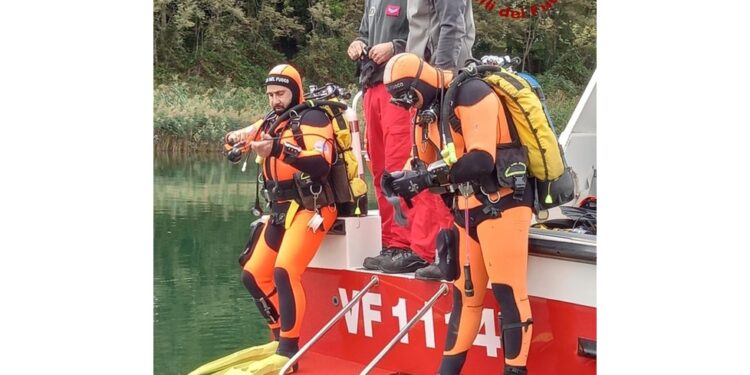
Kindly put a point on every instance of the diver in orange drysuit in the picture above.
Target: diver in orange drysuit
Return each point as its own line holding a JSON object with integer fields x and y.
{"x": 290, "y": 238}
{"x": 496, "y": 246}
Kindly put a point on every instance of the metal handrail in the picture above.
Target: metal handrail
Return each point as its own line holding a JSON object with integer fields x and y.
{"x": 442, "y": 290}
{"x": 373, "y": 281}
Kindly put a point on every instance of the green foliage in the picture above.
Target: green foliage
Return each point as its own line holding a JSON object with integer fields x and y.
{"x": 562, "y": 96}
{"x": 212, "y": 40}
{"x": 561, "y": 40}
{"x": 229, "y": 45}
{"x": 561, "y": 107}
{"x": 558, "y": 47}
{"x": 552, "y": 82}
{"x": 334, "y": 25}
{"x": 317, "y": 66}
{"x": 578, "y": 60}
{"x": 186, "y": 116}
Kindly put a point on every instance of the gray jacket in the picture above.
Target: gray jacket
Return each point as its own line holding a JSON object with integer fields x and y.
{"x": 441, "y": 31}
{"x": 384, "y": 21}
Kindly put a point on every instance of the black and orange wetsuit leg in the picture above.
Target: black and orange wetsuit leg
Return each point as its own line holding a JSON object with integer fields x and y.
{"x": 306, "y": 147}
{"x": 257, "y": 275}
{"x": 503, "y": 239}
{"x": 297, "y": 250}
{"x": 467, "y": 311}
{"x": 498, "y": 238}
{"x": 504, "y": 242}
{"x": 303, "y": 149}
{"x": 500, "y": 257}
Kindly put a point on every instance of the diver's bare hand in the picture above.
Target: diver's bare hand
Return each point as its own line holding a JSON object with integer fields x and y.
{"x": 232, "y": 137}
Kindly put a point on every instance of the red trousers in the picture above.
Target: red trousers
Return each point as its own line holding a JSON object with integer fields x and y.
{"x": 389, "y": 139}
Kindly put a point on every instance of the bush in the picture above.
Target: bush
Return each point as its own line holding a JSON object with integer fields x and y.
{"x": 562, "y": 96}
{"x": 325, "y": 60}
{"x": 186, "y": 115}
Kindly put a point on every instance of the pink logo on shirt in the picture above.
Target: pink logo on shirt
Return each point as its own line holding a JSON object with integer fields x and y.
{"x": 392, "y": 10}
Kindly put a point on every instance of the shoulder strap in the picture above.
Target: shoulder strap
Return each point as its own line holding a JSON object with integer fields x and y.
{"x": 339, "y": 116}
{"x": 453, "y": 120}
{"x": 336, "y": 114}
{"x": 294, "y": 120}
{"x": 511, "y": 124}
{"x": 294, "y": 126}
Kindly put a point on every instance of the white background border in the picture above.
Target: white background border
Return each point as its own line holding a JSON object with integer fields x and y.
{"x": 77, "y": 209}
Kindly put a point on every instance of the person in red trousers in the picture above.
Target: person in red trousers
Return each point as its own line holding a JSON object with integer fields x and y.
{"x": 382, "y": 34}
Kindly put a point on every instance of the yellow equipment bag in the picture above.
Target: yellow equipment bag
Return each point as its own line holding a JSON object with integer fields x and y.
{"x": 344, "y": 140}
{"x": 346, "y": 159}
{"x": 534, "y": 145}
{"x": 349, "y": 189}
{"x": 534, "y": 130}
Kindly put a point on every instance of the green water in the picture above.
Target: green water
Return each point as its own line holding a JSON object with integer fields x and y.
{"x": 201, "y": 219}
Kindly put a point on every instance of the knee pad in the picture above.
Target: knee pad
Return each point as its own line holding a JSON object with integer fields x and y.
{"x": 452, "y": 335}
{"x": 255, "y": 229}
{"x": 286, "y": 298}
{"x": 447, "y": 253}
{"x": 251, "y": 285}
{"x": 510, "y": 320}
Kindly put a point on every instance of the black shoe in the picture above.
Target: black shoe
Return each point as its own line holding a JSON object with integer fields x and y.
{"x": 373, "y": 263}
{"x": 402, "y": 262}
{"x": 431, "y": 272}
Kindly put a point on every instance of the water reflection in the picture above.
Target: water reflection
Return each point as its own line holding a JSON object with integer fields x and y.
{"x": 201, "y": 219}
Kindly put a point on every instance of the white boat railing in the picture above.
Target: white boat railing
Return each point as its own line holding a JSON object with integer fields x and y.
{"x": 441, "y": 291}
{"x": 373, "y": 281}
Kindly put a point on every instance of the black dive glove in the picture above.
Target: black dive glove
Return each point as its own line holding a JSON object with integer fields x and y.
{"x": 407, "y": 184}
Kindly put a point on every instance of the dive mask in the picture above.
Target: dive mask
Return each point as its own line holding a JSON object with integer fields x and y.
{"x": 402, "y": 95}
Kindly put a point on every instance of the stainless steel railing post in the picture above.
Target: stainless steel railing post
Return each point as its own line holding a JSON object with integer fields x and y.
{"x": 373, "y": 281}
{"x": 442, "y": 290}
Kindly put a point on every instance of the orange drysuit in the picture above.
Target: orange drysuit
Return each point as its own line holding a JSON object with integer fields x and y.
{"x": 287, "y": 242}
{"x": 496, "y": 247}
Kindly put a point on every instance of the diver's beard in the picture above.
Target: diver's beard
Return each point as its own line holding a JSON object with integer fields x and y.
{"x": 279, "y": 110}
